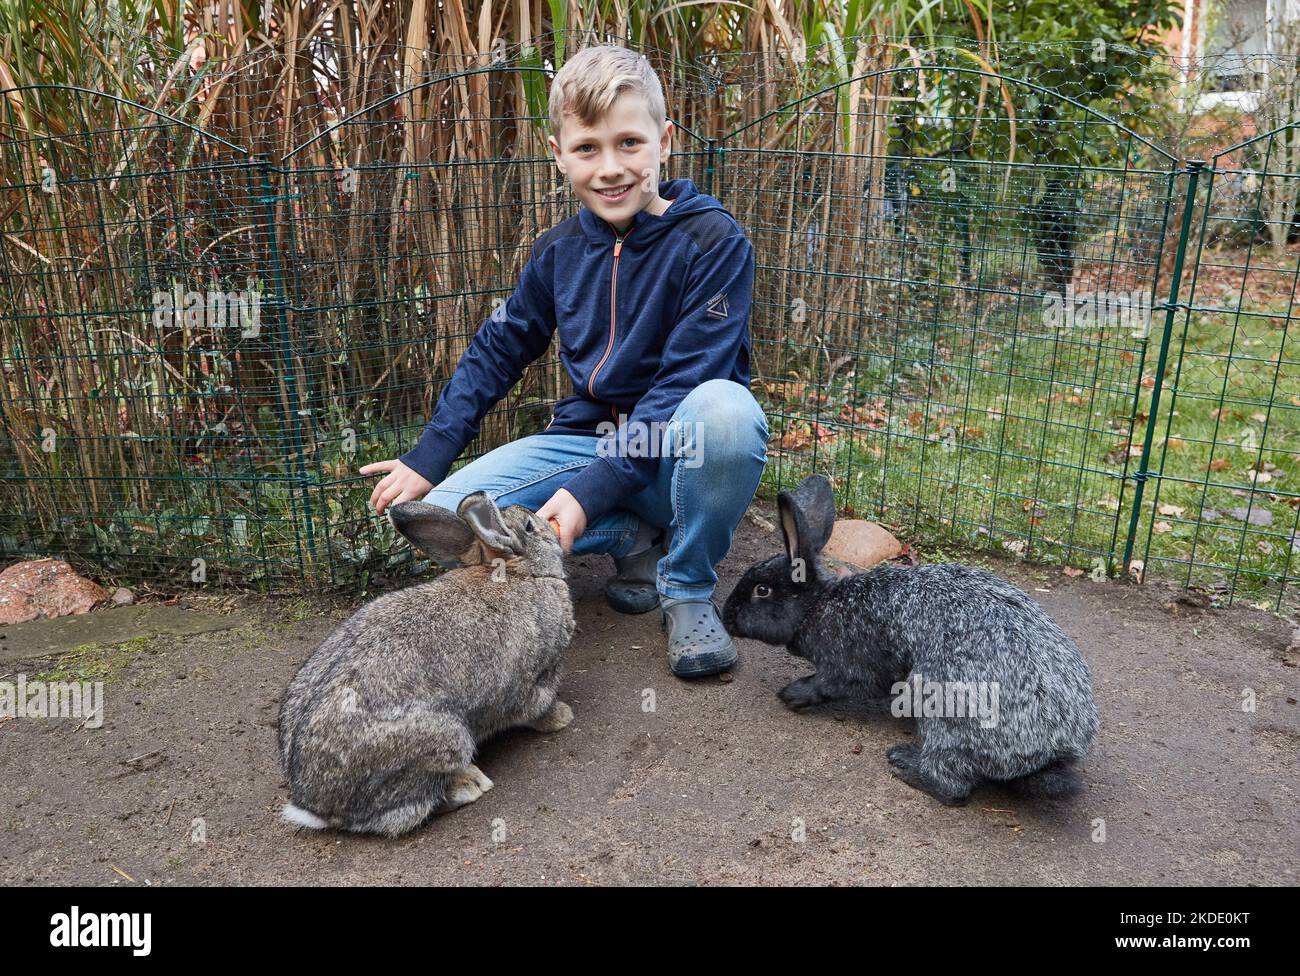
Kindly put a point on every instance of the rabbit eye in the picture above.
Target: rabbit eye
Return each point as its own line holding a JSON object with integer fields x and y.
{"x": 763, "y": 591}
{"x": 529, "y": 528}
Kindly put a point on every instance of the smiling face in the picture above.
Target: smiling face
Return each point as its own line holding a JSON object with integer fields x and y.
{"x": 622, "y": 152}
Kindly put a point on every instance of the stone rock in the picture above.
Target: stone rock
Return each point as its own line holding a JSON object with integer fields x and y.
{"x": 122, "y": 597}
{"x": 1254, "y": 515}
{"x": 860, "y": 543}
{"x": 45, "y": 588}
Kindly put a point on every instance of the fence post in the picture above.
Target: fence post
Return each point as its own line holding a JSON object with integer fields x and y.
{"x": 1194, "y": 168}
{"x": 709, "y": 167}
{"x": 277, "y": 307}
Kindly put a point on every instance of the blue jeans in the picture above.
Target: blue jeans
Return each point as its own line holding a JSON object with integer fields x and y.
{"x": 711, "y": 457}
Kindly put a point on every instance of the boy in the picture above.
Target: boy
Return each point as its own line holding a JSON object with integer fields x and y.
{"x": 658, "y": 451}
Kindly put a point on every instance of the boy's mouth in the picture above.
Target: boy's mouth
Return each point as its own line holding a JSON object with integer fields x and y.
{"x": 617, "y": 195}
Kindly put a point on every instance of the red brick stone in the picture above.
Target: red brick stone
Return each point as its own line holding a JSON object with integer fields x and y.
{"x": 45, "y": 588}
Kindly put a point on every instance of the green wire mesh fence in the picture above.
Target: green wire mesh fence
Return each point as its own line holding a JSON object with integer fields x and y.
{"x": 1226, "y": 503}
{"x": 1038, "y": 302}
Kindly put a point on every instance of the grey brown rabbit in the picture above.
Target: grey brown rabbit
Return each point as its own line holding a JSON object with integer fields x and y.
{"x": 379, "y": 728}
{"x": 896, "y": 629}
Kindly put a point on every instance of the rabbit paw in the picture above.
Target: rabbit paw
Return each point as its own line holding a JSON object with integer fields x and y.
{"x": 920, "y": 779}
{"x": 803, "y": 693}
{"x": 903, "y": 755}
{"x": 559, "y": 716}
{"x": 466, "y": 786}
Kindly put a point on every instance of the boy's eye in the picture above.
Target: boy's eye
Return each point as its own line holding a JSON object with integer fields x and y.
{"x": 586, "y": 145}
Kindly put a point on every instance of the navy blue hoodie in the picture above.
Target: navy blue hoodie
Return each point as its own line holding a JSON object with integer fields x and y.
{"x": 643, "y": 319}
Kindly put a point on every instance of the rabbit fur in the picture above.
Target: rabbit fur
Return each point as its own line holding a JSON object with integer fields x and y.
{"x": 379, "y": 728}
{"x": 881, "y": 634}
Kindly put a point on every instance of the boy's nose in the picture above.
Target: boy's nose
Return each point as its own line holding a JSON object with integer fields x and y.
{"x": 610, "y": 168}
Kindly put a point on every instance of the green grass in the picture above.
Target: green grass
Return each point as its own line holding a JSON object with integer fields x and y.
{"x": 95, "y": 662}
{"x": 1013, "y": 437}
{"x": 1233, "y": 443}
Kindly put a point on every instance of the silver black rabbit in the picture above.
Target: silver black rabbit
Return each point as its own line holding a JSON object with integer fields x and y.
{"x": 379, "y": 728}
{"x": 1000, "y": 693}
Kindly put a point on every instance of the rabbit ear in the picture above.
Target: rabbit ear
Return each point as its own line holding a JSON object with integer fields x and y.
{"x": 437, "y": 532}
{"x": 807, "y": 517}
{"x": 481, "y": 514}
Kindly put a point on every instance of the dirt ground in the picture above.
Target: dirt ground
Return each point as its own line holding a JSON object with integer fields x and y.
{"x": 719, "y": 784}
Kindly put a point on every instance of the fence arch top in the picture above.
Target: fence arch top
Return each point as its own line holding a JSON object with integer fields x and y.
{"x": 951, "y": 70}
{"x": 1254, "y": 139}
{"x": 6, "y": 92}
{"x": 440, "y": 80}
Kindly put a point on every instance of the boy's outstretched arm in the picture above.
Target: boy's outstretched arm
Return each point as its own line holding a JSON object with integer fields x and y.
{"x": 514, "y": 335}
{"x": 709, "y": 341}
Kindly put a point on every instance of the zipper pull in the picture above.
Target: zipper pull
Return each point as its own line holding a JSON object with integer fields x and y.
{"x": 618, "y": 246}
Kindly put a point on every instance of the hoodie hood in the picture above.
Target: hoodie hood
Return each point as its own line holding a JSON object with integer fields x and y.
{"x": 646, "y": 227}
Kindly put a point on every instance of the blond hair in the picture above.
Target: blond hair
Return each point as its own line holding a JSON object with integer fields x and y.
{"x": 591, "y": 81}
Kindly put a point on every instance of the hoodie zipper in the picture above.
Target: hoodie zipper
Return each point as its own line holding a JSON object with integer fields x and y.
{"x": 613, "y": 296}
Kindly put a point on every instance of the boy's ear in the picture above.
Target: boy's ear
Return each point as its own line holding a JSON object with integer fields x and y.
{"x": 555, "y": 153}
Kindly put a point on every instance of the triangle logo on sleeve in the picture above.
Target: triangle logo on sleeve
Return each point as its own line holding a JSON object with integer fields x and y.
{"x": 717, "y": 307}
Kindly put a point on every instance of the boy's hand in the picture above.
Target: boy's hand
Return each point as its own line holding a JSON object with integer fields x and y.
{"x": 563, "y": 509}
{"x": 401, "y": 484}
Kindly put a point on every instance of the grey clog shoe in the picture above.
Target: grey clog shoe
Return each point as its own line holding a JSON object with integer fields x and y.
{"x": 698, "y": 644}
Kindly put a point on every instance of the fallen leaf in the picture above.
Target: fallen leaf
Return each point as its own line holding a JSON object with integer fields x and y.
{"x": 871, "y": 414}
{"x": 824, "y": 433}
{"x": 1160, "y": 528}
{"x": 785, "y": 390}
{"x": 1175, "y": 511}
{"x": 795, "y": 438}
